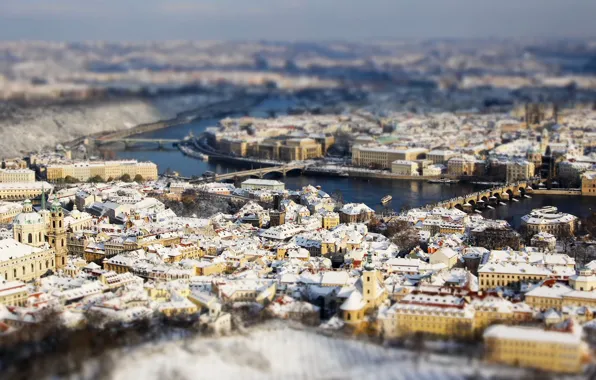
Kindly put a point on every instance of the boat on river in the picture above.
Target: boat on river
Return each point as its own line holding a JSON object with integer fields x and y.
{"x": 444, "y": 181}
{"x": 386, "y": 199}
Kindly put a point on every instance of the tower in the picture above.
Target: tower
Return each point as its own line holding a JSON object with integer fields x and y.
{"x": 57, "y": 233}
{"x": 371, "y": 289}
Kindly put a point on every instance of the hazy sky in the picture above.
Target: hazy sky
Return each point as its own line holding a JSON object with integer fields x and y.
{"x": 292, "y": 19}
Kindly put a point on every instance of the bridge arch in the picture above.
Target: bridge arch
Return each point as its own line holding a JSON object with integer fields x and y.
{"x": 522, "y": 191}
{"x": 473, "y": 203}
{"x": 510, "y": 192}
{"x": 459, "y": 207}
{"x": 485, "y": 199}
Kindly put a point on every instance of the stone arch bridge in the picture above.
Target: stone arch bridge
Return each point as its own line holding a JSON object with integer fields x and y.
{"x": 490, "y": 196}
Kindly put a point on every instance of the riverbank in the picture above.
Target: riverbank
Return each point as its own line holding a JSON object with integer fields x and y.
{"x": 573, "y": 192}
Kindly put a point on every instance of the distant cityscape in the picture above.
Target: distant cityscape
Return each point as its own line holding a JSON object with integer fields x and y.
{"x": 103, "y": 249}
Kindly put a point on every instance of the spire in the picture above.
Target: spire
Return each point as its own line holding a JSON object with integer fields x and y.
{"x": 369, "y": 264}
{"x": 43, "y": 198}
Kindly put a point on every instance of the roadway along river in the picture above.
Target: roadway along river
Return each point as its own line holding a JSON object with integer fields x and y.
{"x": 405, "y": 193}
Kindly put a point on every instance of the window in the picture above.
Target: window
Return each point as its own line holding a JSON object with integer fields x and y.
{"x": 30, "y": 238}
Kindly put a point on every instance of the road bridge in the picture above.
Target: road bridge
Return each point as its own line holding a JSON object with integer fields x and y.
{"x": 128, "y": 142}
{"x": 259, "y": 173}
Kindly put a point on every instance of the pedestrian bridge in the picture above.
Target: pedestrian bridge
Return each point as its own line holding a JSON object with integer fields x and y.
{"x": 489, "y": 196}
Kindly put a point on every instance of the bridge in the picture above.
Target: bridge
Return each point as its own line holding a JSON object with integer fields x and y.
{"x": 490, "y": 196}
{"x": 259, "y": 173}
{"x": 128, "y": 142}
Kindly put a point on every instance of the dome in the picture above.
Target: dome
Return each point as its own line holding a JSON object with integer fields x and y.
{"x": 28, "y": 218}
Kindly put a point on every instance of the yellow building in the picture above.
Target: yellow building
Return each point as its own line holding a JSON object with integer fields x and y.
{"x": 589, "y": 183}
{"x": 464, "y": 166}
{"x": 330, "y": 220}
{"x": 494, "y": 275}
{"x": 13, "y": 293}
{"x": 24, "y": 262}
{"x": 551, "y": 295}
{"x": 16, "y": 175}
{"x": 382, "y": 156}
{"x": 207, "y": 268}
{"x": 8, "y": 210}
{"x": 83, "y": 171}
{"x": 433, "y": 315}
{"x": 18, "y": 191}
{"x": 368, "y": 294}
{"x": 404, "y": 167}
{"x": 552, "y": 351}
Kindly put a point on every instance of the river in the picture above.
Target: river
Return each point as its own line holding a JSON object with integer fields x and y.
{"x": 405, "y": 193}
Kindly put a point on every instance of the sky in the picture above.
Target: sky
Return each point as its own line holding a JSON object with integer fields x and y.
{"x": 141, "y": 20}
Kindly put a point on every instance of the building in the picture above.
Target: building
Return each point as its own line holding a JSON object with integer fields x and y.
{"x": 369, "y": 292}
{"x": 18, "y": 191}
{"x": 440, "y": 156}
{"x": 519, "y": 170}
{"x": 263, "y": 184}
{"x": 56, "y": 233}
{"x": 381, "y": 157}
{"x": 552, "y": 351}
{"x": 446, "y": 256}
{"x": 403, "y": 167}
{"x": 355, "y": 213}
{"x": 8, "y": 210}
{"x": 544, "y": 241}
{"x": 570, "y": 172}
{"x": 495, "y": 275}
{"x": 465, "y": 166}
{"x": 24, "y": 262}
{"x": 277, "y": 218}
{"x": 29, "y": 227}
{"x": 16, "y": 175}
{"x": 330, "y": 219}
{"x": 589, "y": 183}
{"x": 106, "y": 170}
{"x": 13, "y": 293}
{"x": 549, "y": 219}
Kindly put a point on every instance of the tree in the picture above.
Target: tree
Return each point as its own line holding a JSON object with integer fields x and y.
{"x": 589, "y": 225}
{"x": 96, "y": 179}
{"x": 403, "y": 234}
{"x": 110, "y": 179}
{"x": 338, "y": 198}
{"x": 125, "y": 178}
{"x": 70, "y": 179}
{"x": 139, "y": 178}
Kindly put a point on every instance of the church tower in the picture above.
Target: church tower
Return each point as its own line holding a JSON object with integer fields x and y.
{"x": 57, "y": 233}
{"x": 371, "y": 290}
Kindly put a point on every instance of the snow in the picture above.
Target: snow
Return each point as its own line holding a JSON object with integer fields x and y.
{"x": 277, "y": 352}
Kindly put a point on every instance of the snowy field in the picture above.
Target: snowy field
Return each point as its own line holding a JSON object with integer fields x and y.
{"x": 279, "y": 352}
